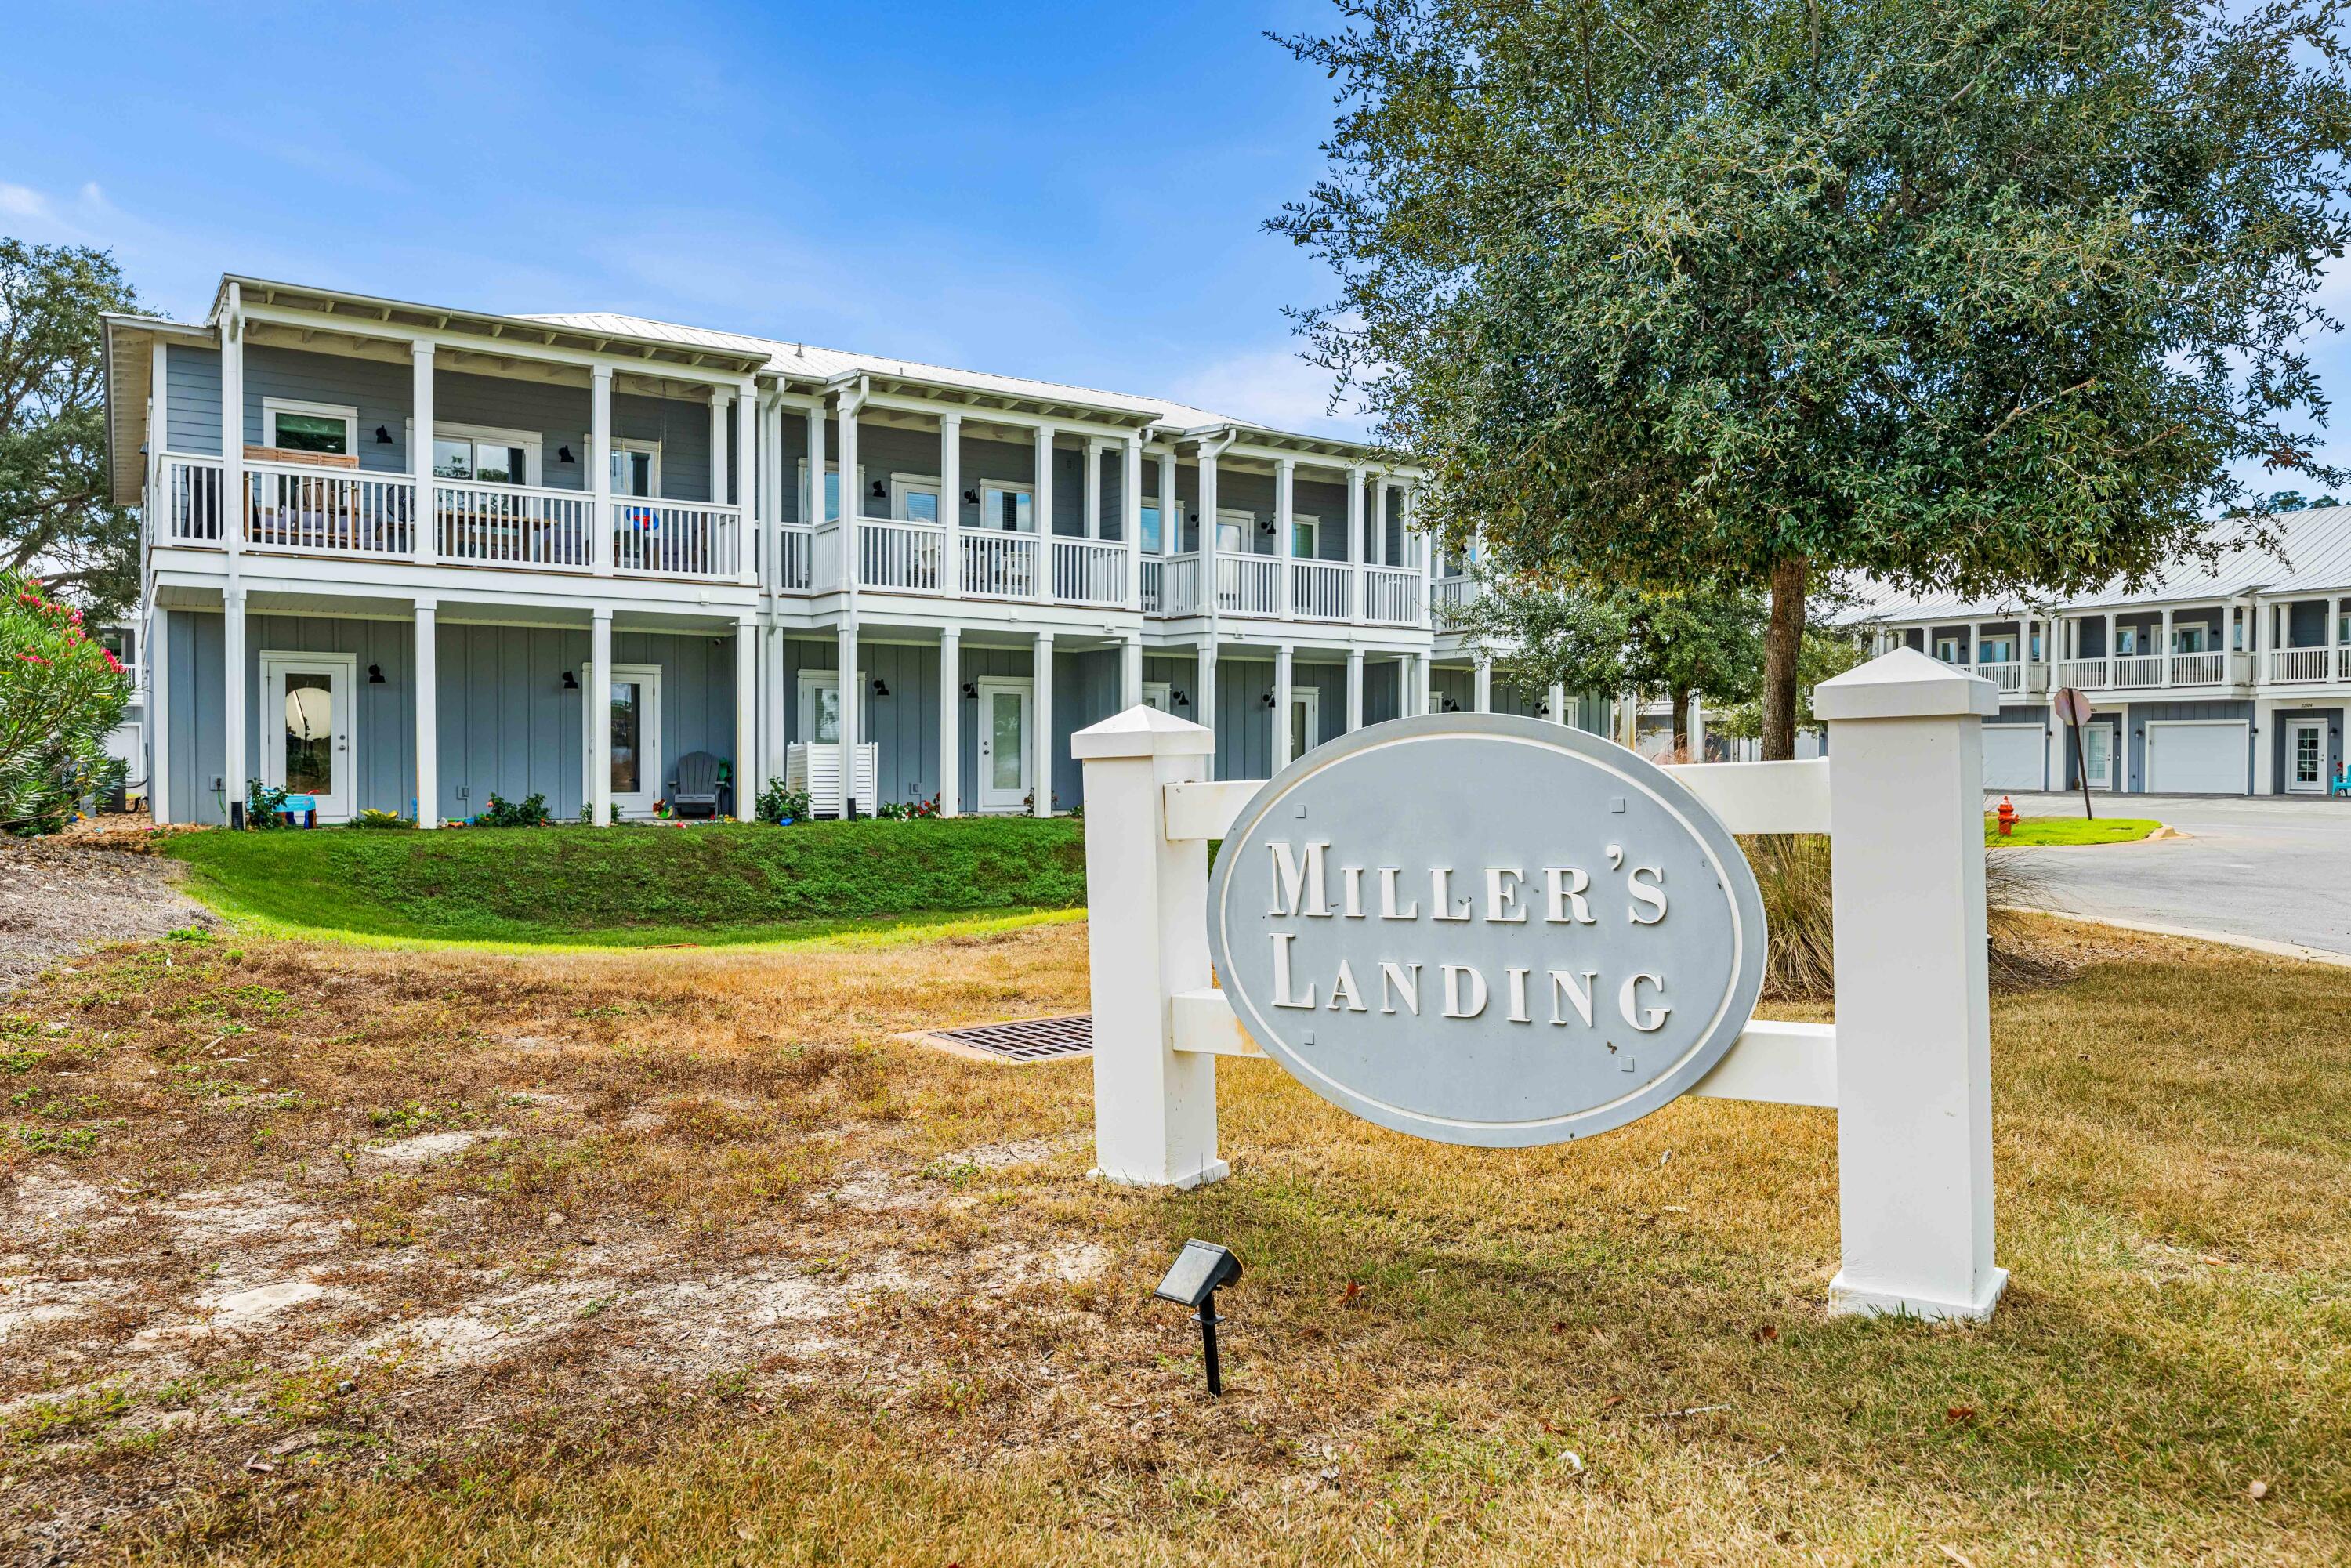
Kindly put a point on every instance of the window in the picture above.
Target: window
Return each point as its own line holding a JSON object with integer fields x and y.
{"x": 1006, "y": 507}
{"x": 1997, "y": 650}
{"x": 1233, "y": 531}
{"x": 831, "y": 489}
{"x": 321, "y": 427}
{"x": 1155, "y": 541}
{"x": 915, "y": 498}
{"x": 2188, "y": 638}
{"x": 122, "y": 641}
{"x": 487, "y": 456}
{"x": 2125, "y": 642}
{"x": 1947, "y": 649}
{"x": 1303, "y": 533}
{"x": 636, "y": 468}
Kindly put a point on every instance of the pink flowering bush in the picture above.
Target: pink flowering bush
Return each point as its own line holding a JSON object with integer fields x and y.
{"x": 61, "y": 695}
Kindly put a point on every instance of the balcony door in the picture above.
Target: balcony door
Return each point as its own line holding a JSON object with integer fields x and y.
{"x": 1305, "y": 720}
{"x": 632, "y": 709}
{"x": 307, "y": 750}
{"x": 1005, "y": 780}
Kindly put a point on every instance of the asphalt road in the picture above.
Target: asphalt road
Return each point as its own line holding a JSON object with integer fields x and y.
{"x": 2277, "y": 868}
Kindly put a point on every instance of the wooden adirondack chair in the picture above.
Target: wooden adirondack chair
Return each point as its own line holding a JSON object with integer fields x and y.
{"x": 696, "y": 794}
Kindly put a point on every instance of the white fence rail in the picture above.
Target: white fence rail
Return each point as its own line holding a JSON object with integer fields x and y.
{"x": 2007, "y": 677}
{"x": 2301, "y": 664}
{"x": 675, "y": 538}
{"x": 511, "y": 525}
{"x": 1089, "y": 571}
{"x": 1452, "y": 595}
{"x": 1391, "y": 596}
{"x": 328, "y": 511}
{"x": 2133, "y": 671}
{"x": 2209, "y": 669}
{"x": 798, "y": 548}
{"x": 901, "y": 558}
{"x": 1000, "y": 566}
{"x": 2087, "y": 674}
{"x": 1179, "y": 593}
{"x": 1317, "y": 589}
{"x": 1248, "y": 585}
{"x": 191, "y": 503}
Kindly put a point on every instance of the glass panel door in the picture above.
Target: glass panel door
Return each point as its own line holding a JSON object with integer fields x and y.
{"x": 1004, "y": 777}
{"x": 2306, "y": 753}
{"x": 628, "y": 730}
{"x": 309, "y": 733}
{"x": 2097, "y": 748}
{"x": 308, "y": 698}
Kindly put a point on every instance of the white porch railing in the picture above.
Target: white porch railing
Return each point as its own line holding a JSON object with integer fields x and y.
{"x": 2206, "y": 669}
{"x": 328, "y": 511}
{"x": 798, "y": 546}
{"x": 1089, "y": 571}
{"x": 815, "y": 766}
{"x": 2301, "y": 664}
{"x": 1392, "y": 596}
{"x": 191, "y": 499}
{"x": 1152, "y": 581}
{"x": 901, "y": 558}
{"x": 1248, "y": 585}
{"x": 1317, "y": 589}
{"x": 675, "y": 538}
{"x": 1179, "y": 591}
{"x": 1451, "y": 595}
{"x": 2136, "y": 671}
{"x": 2005, "y": 675}
{"x": 999, "y": 565}
{"x": 2087, "y": 674}
{"x": 511, "y": 525}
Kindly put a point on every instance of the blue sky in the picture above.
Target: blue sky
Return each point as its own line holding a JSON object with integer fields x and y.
{"x": 1074, "y": 191}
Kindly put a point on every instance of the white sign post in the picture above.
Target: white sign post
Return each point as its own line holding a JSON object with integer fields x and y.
{"x": 1539, "y": 882}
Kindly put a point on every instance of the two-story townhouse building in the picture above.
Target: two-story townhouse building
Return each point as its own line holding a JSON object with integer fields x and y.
{"x": 2230, "y": 677}
{"x": 394, "y": 552}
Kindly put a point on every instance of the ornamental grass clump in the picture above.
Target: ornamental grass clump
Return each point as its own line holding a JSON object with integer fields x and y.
{"x": 61, "y": 695}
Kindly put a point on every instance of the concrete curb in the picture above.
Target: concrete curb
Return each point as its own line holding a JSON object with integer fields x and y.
{"x": 2251, "y": 943}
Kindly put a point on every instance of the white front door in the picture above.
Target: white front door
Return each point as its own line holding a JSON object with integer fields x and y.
{"x": 1305, "y": 720}
{"x": 634, "y": 710}
{"x": 2305, "y": 756}
{"x": 1004, "y": 777}
{"x": 2098, "y": 755}
{"x": 306, "y": 716}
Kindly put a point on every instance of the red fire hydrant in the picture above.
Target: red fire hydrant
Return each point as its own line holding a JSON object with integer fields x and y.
{"x": 2007, "y": 816}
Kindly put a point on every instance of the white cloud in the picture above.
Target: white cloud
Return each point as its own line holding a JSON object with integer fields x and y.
{"x": 1274, "y": 387}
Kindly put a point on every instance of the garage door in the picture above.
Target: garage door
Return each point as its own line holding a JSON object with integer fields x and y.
{"x": 2012, "y": 756}
{"x": 2204, "y": 757}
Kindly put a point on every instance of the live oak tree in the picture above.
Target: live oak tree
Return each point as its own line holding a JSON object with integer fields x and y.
{"x": 1974, "y": 295}
{"x": 1593, "y": 637}
{"x": 56, "y": 514}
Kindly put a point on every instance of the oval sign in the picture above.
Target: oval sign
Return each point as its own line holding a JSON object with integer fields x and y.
{"x": 1484, "y": 929}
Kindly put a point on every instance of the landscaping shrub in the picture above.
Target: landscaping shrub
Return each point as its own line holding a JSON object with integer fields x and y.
{"x": 61, "y": 695}
{"x": 779, "y": 803}
{"x": 1792, "y": 871}
{"x": 529, "y": 812}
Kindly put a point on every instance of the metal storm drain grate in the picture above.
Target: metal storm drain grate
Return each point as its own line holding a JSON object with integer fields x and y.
{"x": 1026, "y": 1039}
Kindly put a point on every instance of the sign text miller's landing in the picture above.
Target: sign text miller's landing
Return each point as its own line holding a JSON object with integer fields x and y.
{"x": 1486, "y": 930}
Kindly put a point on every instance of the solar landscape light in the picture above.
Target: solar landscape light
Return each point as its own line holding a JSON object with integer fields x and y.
{"x": 1199, "y": 1271}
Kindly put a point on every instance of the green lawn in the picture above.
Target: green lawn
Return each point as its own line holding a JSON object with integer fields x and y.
{"x": 638, "y": 886}
{"x": 2033, "y": 830}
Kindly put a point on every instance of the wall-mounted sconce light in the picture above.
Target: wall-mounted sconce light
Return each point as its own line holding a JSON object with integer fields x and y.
{"x": 880, "y": 491}
{"x": 880, "y": 687}
{"x": 1267, "y": 699}
{"x": 971, "y": 689}
{"x": 971, "y": 498}
{"x": 1450, "y": 706}
{"x": 1265, "y": 525}
{"x": 563, "y": 454}
{"x": 570, "y": 682}
{"x": 375, "y": 674}
{"x": 383, "y": 435}
{"x": 1180, "y": 698}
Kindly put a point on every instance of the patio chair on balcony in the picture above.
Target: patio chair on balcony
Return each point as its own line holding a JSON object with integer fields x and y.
{"x": 695, "y": 792}
{"x": 2342, "y": 785}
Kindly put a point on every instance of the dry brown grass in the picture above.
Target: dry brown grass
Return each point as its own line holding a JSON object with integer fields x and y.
{"x": 952, "y": 1357}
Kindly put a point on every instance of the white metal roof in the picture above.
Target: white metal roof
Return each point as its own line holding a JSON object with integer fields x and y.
{"x": 2312, "y": 557}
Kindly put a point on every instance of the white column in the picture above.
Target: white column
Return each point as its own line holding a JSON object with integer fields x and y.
{"x": 813, "y": 503}
{"x": 1041, "y": 707}
{"x": 428, "y": 715}
{"x": 1913, "y": 1016}
{"x": 771, "y": 492}
{"x": 1425, "y": 681}
{"x": 1203, "y": 690}
{"x": 1284, "y": 673}
{"x": 1558, "y": 703}
{"x": 951, "y": 503}
{"x": 1484, "y": 698}
{"x": 1696, "y": 728}
{"x": 427, "y": 540}
{"x": 1355, "y": 477}
{"x": 1093, "y": 487}
{"x": 1405, "y": 676}
{"x": 599, "y": 476}
{"x": 1354, "y": 690}
{"x": 157, "y": 665}
{"x": 1130, "y": 670}
{"x": 1171, "y": 533}
{"x": 1155, "y": 1108}
{"x": 235, "y": 684}
{"x": 747, "y": 444}
{"x": 2163, "y": 647}
{"x": 1130, "y": 520}
{"x": 1285, "y": 475}
{"x": 747, "y": 716}
{"x": 597, "y": 693}
{"x": 850, "y": 690}
{"x": 852, "y": 494}
{"x": 2113, "y": 674}
{"x": 1379, "y": 545}
{"x": 1428, "y": 557}
{"x": 1043, "y": 506}
{"x": 2266, "y": 747}
{"x": 235, "y": 507}
{"x": 777, "y": 726}
{"x": 950, "y": 722}
{"x": 718, "y": 446}
{"x": 1207, "y": 505}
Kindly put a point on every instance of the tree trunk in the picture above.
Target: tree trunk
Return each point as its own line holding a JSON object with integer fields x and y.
{"x": 1681, "y": 700}
{"x": 1781, "y": 642}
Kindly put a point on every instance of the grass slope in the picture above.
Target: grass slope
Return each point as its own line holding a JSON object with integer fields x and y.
{"x": 2033, "y": 830}
{"x": 634, "y": 887}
